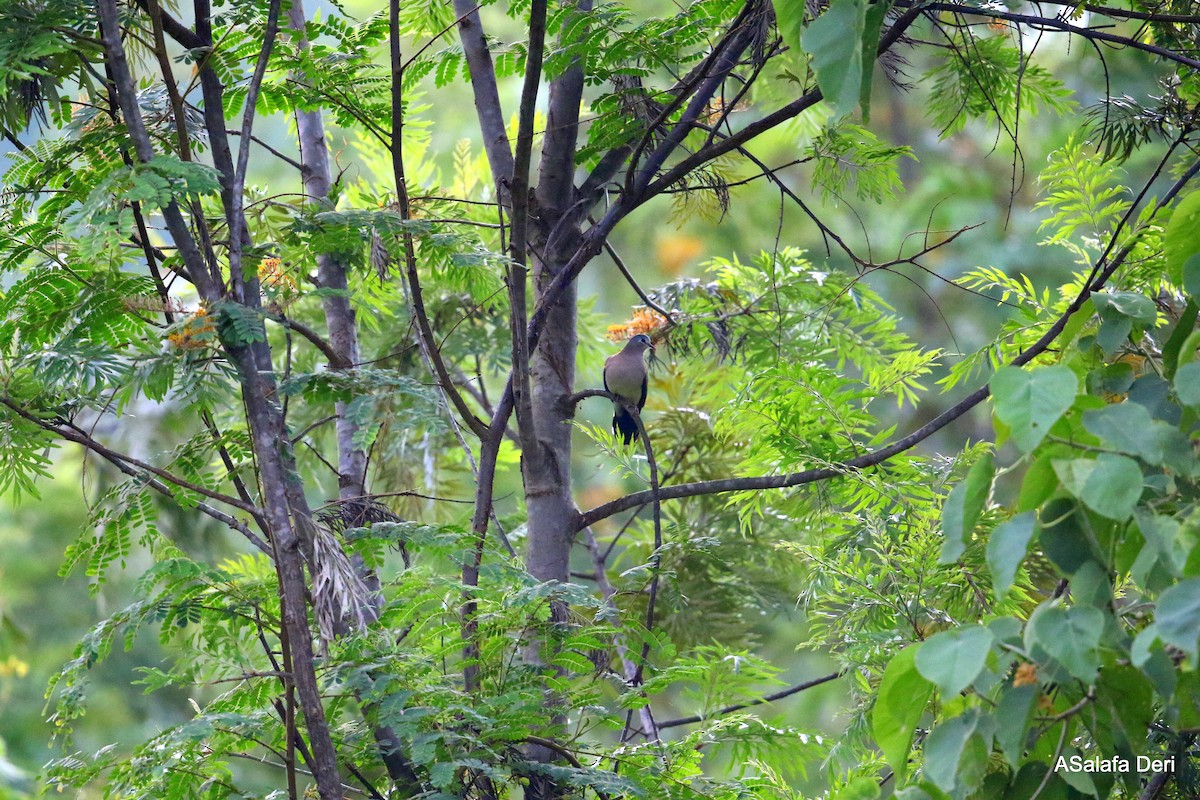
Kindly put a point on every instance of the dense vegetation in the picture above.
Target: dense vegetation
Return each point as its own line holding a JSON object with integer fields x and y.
{"x": 331, "y": 383}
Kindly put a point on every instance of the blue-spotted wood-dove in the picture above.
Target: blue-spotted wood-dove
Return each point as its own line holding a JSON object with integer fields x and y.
{"x": 625, "y": 376}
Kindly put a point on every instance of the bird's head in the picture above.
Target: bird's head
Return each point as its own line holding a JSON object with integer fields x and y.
{"x": 641, "y": 343}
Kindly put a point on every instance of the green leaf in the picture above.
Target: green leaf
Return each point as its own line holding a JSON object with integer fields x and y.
{"x": 1078, "y": 780}
{"x": 1070, "y": 636}
{"x": 955, "y": 753}
{"x": 239, "y": 324}
{"x": 1187, "y": 383}
{"x": 1012, "y": 716}
{"x": 873, "y": 25}
{"x": 912, "y": 792}
{"x": 1181, "y": 239}
{"x": 861, "y": 788}
{"x": 573, "y": 662}
{"x": 1183, "y": 329}
{"x": 1163, "y": 540}
{"x": 1134, "y": 305}
{"x": 789, "y": 16}
{"x": 1125, "y": 697}
{"x": 954, "y": 658}
{"x": 1120, "y": 425}
{"x": 1006, "y": 629}
{"x": 1178, "y": 618}
{"x": 1039, "y": 484}
{"x": 1006, "y": 550}
{"x": 1062, "y": 536}
{"x": 1029, "y": 403}
{"x": 1119, "y": 311}
{"x": 1191, "y": 275}
{"x": 924, "y": 790}
{"x": 1114, "y": 333}
{"x": 899, "y": 705}
{"x": 963, "y": 507}
{"x": 842, "y": 43}
{"x": 1090, "y": 586}
{"x": 1110, "y": 485}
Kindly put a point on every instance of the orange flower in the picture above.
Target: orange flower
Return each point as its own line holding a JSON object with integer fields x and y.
{"x": 272, "y": 274}
{"x": 1026, "y": 675}
{"x": 644, "y": 321}
{"x": 195, "y": 332}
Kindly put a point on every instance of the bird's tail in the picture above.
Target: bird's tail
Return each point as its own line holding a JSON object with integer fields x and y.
{"x": 624, "y": 424}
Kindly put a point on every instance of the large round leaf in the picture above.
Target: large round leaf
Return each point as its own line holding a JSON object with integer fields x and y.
{"x": 1181, "y": 239}
{"x": 953, "y": 659}
{"x": 1029, "y": 403}
{"x": 1179, "y": 615}
{"x": 1006, "y": 550}
{"x": 1110, "y": 485}
{"x": 1071, "y": 636}
{"x": 903, "y": 694}
{"x": 963, "y": 507}
{"x": 1123, "y": 426}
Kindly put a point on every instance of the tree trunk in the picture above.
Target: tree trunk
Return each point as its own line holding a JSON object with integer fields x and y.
{"x": 331, "y": 274}
{"x": 275, "y": 463}
{"x": 552, "y": 514}
{"x": 343, "y": 338}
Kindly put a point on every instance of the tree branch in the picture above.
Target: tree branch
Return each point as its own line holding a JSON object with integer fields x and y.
{"x": 336, "y": 359}
{"x": 655, "y": 561}
{"x": 770, "y": 698}
{"x": 592, "y": 241}
{"x": 721, "y": 61}
{"x": 174, "y": 28}
{"x": 924, "y": 432}
{"x": 340, "y": 320}
{"x": 628, "y": 667}
{"x": 1156, "y": 785}
{"x": 624, "y": 270}
{"x": 164, "y": 65}
{"x": 291, "y": 162}
{"x": 556, "y": 172}
{"x": 238, "y": 234}
{"x": 487, "y": 96}
{"x": 764, "y": 124}
{"x": 1038, "y": 22}
{"x": 139, "y": 469}
{"x": 424, "y": 332}
{"x": 73, "y": 434}
{"x": 125, "y": 90}
{"x": 518, "y": 246}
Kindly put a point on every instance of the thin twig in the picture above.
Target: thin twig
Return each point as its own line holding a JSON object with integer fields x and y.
{"x": 770, "y": 698}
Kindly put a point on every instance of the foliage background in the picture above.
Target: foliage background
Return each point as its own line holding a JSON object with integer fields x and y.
{"x": 969, "y": 177}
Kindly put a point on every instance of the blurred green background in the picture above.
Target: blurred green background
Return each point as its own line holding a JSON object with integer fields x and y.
{"x": 971, "y": 178}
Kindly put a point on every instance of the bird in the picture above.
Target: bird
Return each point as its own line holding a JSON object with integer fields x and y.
{"x": 625, "y": 376}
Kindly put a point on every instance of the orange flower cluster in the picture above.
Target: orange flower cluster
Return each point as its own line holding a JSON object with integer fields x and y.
{"x": 644, "y": 321}
{"x": 1026, "y": 675}
{"x": 195, "y": 333}
{"x": 273, "y": 276}
{"x": 716, "y": 108}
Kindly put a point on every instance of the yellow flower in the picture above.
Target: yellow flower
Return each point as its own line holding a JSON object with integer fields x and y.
{"x": 194, "y": 333}
{"x": 13, "y": 666}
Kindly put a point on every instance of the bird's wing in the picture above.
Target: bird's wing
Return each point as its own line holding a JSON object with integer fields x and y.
{"x": 625, "y": 375}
